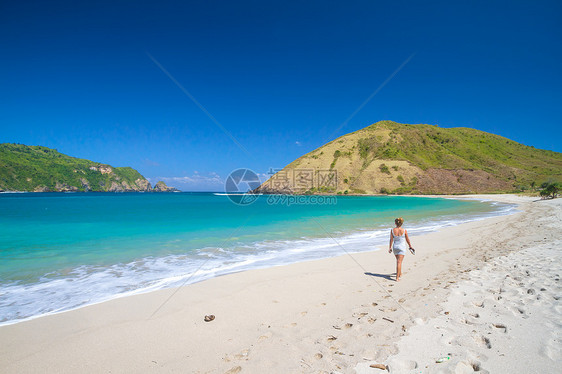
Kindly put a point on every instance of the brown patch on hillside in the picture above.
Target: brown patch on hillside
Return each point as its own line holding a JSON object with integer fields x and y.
{"x": 456, "y": 181}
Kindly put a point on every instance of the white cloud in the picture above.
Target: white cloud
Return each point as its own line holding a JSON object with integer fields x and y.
{"x": 194, "y": 182}
{"x": 298, "y": 143}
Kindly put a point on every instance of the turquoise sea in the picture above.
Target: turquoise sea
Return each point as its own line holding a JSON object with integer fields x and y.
{"x": 62, "y": 251}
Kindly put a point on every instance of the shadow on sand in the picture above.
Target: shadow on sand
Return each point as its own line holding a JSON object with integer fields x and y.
{"x": 385, "y": 276}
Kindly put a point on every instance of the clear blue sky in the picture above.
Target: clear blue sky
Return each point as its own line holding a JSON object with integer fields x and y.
{"x": 280, "y": 76}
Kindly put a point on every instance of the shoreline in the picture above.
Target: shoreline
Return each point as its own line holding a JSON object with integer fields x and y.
{"x": 371, "y": 238}
{"x": 279, "y": 319}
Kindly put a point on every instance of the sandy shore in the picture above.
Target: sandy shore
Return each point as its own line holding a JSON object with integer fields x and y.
{"x": 481, "y": 293}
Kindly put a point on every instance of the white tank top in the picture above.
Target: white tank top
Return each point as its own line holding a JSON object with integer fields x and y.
{"x": 399, "y": 240}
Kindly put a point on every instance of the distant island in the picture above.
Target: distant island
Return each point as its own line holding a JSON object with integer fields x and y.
{"x": 393, "y": 158}
{"x": 42, "y": 169}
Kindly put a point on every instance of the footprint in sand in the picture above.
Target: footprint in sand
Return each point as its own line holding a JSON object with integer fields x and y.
{"x": 500, "y": 326}
{"x": 234, "y": 370}
{"x": 469, "y": 367}
{"x": 359, "y": 315}
{"x": 399, "y": 366}
{"x": 479, "y": 304}
{"x": 551, "y": 349}
{"x": 483, "y": 341}
{"x": 289, "y": 325}
{"x": 346, "y": 326}
{"x": 265, "y": 337}
{"x": 521, "y": 312}
{"x": 243, "y": 355}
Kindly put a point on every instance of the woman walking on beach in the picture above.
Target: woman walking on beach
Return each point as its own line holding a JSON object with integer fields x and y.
{"x": 398, "y": 239}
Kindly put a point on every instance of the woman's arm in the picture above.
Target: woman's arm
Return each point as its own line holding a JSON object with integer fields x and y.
{"x": 391, "y": 240}
{"x": 407, "y": 239}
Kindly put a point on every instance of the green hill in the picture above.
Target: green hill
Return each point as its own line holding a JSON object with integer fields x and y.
{"x": 389, "y": 157}
{"x": 41, "y": 169}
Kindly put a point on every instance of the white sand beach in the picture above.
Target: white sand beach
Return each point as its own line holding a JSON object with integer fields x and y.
{"x": 484, "y": 293}
{"x": 506, "y": 317}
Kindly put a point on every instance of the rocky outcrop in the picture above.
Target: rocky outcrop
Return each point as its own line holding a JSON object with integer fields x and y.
{"x": 140, "y": 185}
{"x": 104, "y": 169}
{"x": 127, "y": 187}
{"x": 143, "y": 185}
{"x": 161, "y": 187}
{"x": 63, "y": 187}
{"x": 115, "y": 187}
{"x": 41, "y": 189}
{"x": 85, "y": 184}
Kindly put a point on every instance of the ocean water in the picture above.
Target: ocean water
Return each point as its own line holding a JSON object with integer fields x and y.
{"x": 63, "y": 251}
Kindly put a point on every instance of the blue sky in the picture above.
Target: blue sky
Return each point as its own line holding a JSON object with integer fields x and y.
{"x": 279, "y": 76}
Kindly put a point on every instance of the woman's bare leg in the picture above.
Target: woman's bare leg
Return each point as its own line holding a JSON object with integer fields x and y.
{"x": 399, "y": 259}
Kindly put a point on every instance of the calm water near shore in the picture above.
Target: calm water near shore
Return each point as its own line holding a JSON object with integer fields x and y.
{"x": 62, "y": 251}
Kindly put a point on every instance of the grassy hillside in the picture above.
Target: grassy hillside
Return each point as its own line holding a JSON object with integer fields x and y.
{"x": 400, "y": 158}
{"x": 36, "y": 168}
